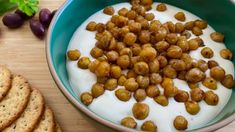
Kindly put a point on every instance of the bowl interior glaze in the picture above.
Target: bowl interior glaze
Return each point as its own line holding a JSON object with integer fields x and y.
{"x": 219, "y": 14}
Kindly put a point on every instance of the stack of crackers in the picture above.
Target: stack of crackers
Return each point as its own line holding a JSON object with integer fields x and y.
{"x": 22, "y": 108}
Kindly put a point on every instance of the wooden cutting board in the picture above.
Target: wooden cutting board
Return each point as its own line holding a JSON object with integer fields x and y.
{"x": 24, "y": 54}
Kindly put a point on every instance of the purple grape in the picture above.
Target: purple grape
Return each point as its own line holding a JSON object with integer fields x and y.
{"x": 37, "y": 28}
{"x": 12, "y": 20}
{"x": 45, "y": 17}
{"x": 23, "y": 15}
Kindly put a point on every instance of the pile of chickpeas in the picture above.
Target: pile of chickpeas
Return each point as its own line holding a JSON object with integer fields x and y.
{"x": 152, "y": 53}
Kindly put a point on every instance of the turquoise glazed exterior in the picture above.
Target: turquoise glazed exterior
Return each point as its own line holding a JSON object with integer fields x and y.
{"x": 218, "y": 13}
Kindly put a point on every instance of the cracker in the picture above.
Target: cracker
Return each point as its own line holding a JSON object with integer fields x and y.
{"x": 14, "y": 102}
{"x": 31, "y": 115}
{"x": 58, "y": 128}
{"x": 46, "y": 123}
{"x": 5, "y": 81}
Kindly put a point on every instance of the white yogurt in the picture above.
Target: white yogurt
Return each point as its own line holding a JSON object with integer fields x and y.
{"x": 110, "y": 108}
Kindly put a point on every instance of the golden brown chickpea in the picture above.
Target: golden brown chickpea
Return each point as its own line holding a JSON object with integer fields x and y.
{"x": 169, "y": 72}
{"x": 115, "y": 71}
{"x": 180, "y": 16}
{"x": 161, "y": 7}
{"x": 143, "y": 81}
{"x": 125, "y": 51}
{"x": 197, "y": 94}
{"x": 134, "y": 60}
{"x": 161, "y": 34}
{"x": 171, "y": 26}
{"x": 226, "y": 54}
{"x": 130, "y": 39}
{"x": 141, "y": 10}
{"x": 170, "y": 91}
{"x": 135, "y": 27}
{"x": 92, "y": 66}
{"x": 181, "y": 96}
{"x": 201, "y": 24}
{"x": 123, "y": 61}
{"x": 120, "y": 46}
{"x": 91, "y": 26}
{"x": 136, "y": 49}
{"x": 149, "y": 16}
{"x": 152, "y": 91}
{"x": 217, "y": 37}
{"x": 207, "y": 52}
{"x": 122, "y": 80}
{"x": 110, "y": 25}
{"x": 146, "y": 45}
{"x": 193, "y": 44}
{"x": 194, "y": 75}
{"x": 162, "y": 100}
{"x": 112, "y": 56}
{"x": 128, "y": 122}
{"x": 115, "y": 32}
{"x": 114, "y": 18}
{"x": 212, "y": 63}
{"x": 181, "y": 75}
{"x": 217, "y": 73}
{"x": 148, "y": 54}
{"x": 96, "y": 52}
{"x": 192, "y": 107}
{"x": 193, "y": 85}
{"x": 154, "y": 66}
{"x": 100, "y": 27}
{"x": 149, "y": 126}
{"x": 211, "y": 98}
{"x": 174, "y": 52}
{"x": 146, "y": 2}
{"x": 102, "y": 58}
{"x": 73, "y": 54}
{"x": 104, "y": 42}
{"x": 111, "y": 84}
{"x": 180, "y": 123}
{"x": 101, "y": 80}
{"x": 131, "y": 15}
{"x": 162, "y": 46}
{"x": 197, "y": 31}
{"x": 141, "y": 68}
{"x": 179, "y": 27}
{"x": 155, "y": 78}
{"x": 140, "y": 95}
{"x": 139, "y": 18}
{"x": 200, "y": 41}
{"x": 167, "y": 82}
{"x": 144, "y": 36}
{"x": 228, "y": 81}
{"x": 154, "y": 26}
{"x": 140, "y": 111}
{"x": 189, "y": 25}
{"x": 171, "y": 38}
{"x": 131, "y": 85}
{"x": 103, "y": 69}
{"x": 144, "y": 25}
{"x": 123, "y": 94}
{"x": 202, "y": 65}
{"x": 86, "y": 98}
{"x": 83, "y": 62}
{"x": 183, "y": 44}
{"x": 121, "y": 21}
{"x": 97, "y": 90}
{"x": 162, "y": 61}
{"x": 123, "y": 31}
{"x": 186, "y": 33}
{"x": 131, "y": 74}
{"x": 178, "y": 65}
{"x": 108, "y": 10}
{"x": 123, "y": 11}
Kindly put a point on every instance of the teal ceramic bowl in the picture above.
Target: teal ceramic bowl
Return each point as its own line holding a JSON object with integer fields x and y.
{"x": 218, "y": 13}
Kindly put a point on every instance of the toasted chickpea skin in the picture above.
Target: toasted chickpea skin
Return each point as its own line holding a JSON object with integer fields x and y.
{"x": 143, "y": 81}
{"x": 161, "y": 7}
{"x": 73, "y": 54}
{"x": 140, "y": 95}
{"x": 128, "y": 122}
{"x": 207, "y": 52}
{"x": 201, "y": 24}
{"x": 97, "y": 90}
{"x": 108, "y": 10}
{"x": 141, "y": 68}
{"x": 210, "y": 83}
{"x": 96, "y": 52}
{"x": 226, "y": 54}
{"x": 91, "y": 26}
{"x": 192, "y": 107}
{"x": 217, "y": 73}
{"x": 83, "y": 63}
{"x": 123, "y": 61}
{"x": 170, "y": 91}
{"x": 228, "y": 81}
{"x": 212, "y": 63}
{"x": 162, "y": 100}
{"x": 180, "y": 16}
{"x": 169, "y": 72}
{"x": 217, "y": 37}
{"x": 180, "y": 123}
{"x": 86, "y": 98}
{"x": 149, "y": 126}
{"x": 155, "y": 78}
{"x": 140, "y": 111}
{"x": 194, "y": 75}
{"x": 174, "y": 52}
{"x": 131, "y": 85}
{"x": 102, "y": 69}
{"x": 197, "y": 94}
{"x": 115, "y": 71}
{"x": 122, "y": 80}
{"x": 211, "y": 98}
{"x": 152, "y": 91}
{"x": 181, "y": 96}
{"x": 130, "y": 39}
{"x": 123, "y": 94}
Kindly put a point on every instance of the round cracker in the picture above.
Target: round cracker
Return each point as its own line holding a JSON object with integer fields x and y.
{"x": 31, "y": 115}
{"x": 14, "y": 102}
{"x": 5, "y": 81}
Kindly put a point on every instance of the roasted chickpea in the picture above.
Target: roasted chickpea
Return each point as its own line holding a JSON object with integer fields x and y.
{"x": 161, "y": 7}
{"x": 211, "y": 98}
{"x": 162, "y": 100}
{"x": 140, "y": 95}
{"x": 197, "y": 31}
{"x": 144, "y": 36}
{"x": 161, "y": 34}
{"x": 201, "y": 24}
{"x": 186, "y": 33}
{"x": 121, "y": 21}
{"x": 155, "y": 78}
{"x": 100, "y": 27}
{"x": 189, "y": 25}
{"x": 108, "y": 10}
{"x": 141, "y": 68}
{"x": 110, "y": 25}
{"x": 149, "y": 126}
{"x": 131, "y": 15}
{"x": 97, "y": 90}
{"x": 131, "y": 85}
{"x": 162, "y": 46}
{"x": 154, "y": 26}
{"x": 122, "y": 80}
{"x": 178, "y": 65}
{"x": 115, "y": 31}
{"x": 152, "y": 91}
{"x": 91, "y": 26}
{"x": 181, "y": 75}
{"x": 129, "y": 122}
{"x": 143, "y": 81}
{"x": 86, "y": 98}
{"x": 123, "y": 11}
{"x": 202, "y": 65}
{"x": 112, "y": 56}
{"x": 125, "y": 51}
{"x": 145, "y": 26}
{"x": 162, "y": 61}
{"x": 197, "y": 94}
{"x": 180, "y": 16}
{"x": 134, "y": 60}
{"x": 120, "y": 46}
{"x": 228, "y": 81}
{"x": 210, "y": 83}
{"x": 123, "y": 61}
{"x": 103, "y": 69}
{"x": 217, "y": 37}
{"x": 147, "y": 45}
{"x": 167, "y": 82}
{"x": 102, "y": 58}
{"x": 93, "y": 65}
{"x": 192, "y": 107}
{"x": 96, "y": 52}
{"x": 104, "y": 42}
{"x": 193, "y": 44}
{"x": 123, "y": 94}
{"x": 170, "y": 25}
{"x": 136, "y": 49}
{"x": 200, "y": 41}
{"x": 111, "y": 84}
{"x": 180, "y": 123}
{"x": 149, "y": 16}
{"x": 135, "y": 27}
{"x": 115, "y": 71}
{"x": 212, "y": 63}
{"x": 131, "y": 74}
{"x": 207, "y": 52}
{"x": 169, "y": 71}
{"x": 193, "y": 85}
{"x": 179, "y": 27}
{"x": 141, "y": 10}
{"x": 170, "y": 91}
{"x": 174, "y": 52}
{"x": 194, "y": 75}
{"x": 101, "y": 80}
{"x": 146, "y": 2}
{"x": 171, "y": 38}
{"x": 226, "y": 54}
{"x": 217, "y": 73}
{"x": 83, "y": 63}
{"x": 181, "y": 96}
{"x": 140, "y": 111}
{"x": 73, "y": 54}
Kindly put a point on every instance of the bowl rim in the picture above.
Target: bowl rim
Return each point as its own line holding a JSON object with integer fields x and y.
{"x": 83, "y": 108}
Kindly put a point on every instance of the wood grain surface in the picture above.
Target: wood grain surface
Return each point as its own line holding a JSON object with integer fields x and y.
{"x": 24, "y": 54}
